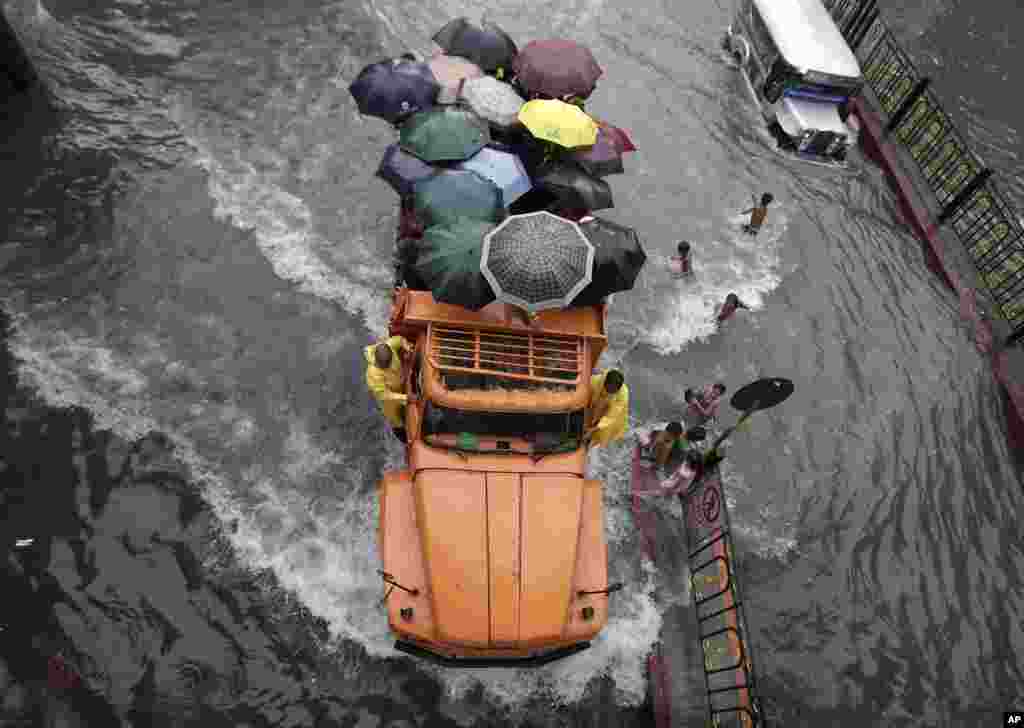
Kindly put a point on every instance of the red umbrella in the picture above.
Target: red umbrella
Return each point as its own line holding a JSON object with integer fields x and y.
{"x": 622, "y": 139}
{"x": 605, "y": 155}
{"x": 557, "y": 68}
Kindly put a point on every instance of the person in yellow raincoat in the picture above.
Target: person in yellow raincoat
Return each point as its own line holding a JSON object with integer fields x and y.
{"x": 384, "y": 379}
{"x": 608, "y": 413}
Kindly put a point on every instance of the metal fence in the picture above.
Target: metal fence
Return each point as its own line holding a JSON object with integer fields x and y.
{"x": 972, "y": 203}
{"x": 729, "y": 675}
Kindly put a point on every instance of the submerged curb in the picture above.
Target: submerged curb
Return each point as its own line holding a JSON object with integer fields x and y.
{"x": 878, "y": 148}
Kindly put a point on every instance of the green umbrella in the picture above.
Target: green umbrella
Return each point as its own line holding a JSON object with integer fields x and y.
{"x": 444, "y": 134}
{"x": 449, "y": 263}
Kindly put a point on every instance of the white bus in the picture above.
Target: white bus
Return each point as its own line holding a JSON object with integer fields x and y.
{"x": 801, "y": 72}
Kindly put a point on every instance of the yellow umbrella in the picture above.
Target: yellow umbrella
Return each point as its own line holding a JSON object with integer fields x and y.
{"x": 558, "y": 122}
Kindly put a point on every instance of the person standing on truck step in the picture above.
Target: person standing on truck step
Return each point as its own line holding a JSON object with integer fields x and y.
{"x": 384, "y": 379}
{"x": 608, "y": 411}
{"x": 757, "y": 214}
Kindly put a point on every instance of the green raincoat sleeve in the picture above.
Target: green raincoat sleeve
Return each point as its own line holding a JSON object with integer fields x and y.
{"x": 613, "y": 424}
{"x": 386, "y": 384}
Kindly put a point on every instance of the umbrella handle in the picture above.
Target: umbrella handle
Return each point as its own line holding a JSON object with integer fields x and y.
{"x": 746, "y": 416}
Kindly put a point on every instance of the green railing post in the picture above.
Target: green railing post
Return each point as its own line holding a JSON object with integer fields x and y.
{"x": 904, "y": 108}
{"x": 964, "y": 194}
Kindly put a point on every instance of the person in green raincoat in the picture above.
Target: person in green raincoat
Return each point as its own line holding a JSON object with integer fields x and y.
{"x": 608, "y": 412}
{"x": 384, "y": 379}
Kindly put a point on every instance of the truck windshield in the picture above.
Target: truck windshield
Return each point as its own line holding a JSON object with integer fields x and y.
{"x": 462, "y": 429}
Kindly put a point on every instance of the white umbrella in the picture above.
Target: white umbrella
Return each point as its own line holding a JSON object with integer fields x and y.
{"x": 492, "y": 99}
{"x": 450, "y": 72}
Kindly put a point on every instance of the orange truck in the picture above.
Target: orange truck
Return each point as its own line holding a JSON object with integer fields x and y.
{"x": 492, "y": 538}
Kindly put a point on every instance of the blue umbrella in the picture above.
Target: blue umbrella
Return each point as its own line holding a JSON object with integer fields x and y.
{"x": 393, "y": 90}
{"x": 504, "y": 169}
{"x": 452, "y": 194}
{"x": 402, "y": 170}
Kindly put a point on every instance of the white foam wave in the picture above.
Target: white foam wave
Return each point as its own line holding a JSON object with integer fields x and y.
{"x": 689, "y": 306}
{"x": 284, "y": 230}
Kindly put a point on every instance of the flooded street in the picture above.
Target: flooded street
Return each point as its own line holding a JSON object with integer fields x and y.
{"x": 196, "y": 251}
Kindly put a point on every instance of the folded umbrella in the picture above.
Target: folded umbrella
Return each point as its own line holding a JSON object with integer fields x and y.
{"x": 504, "y": 169}
{"x": 402, "y": 170}
{"x": 618, "y": 258}
{"x": 556, "y": 68}
{"x": 448, "y": 263}
{"x": 444, "y": 134}
{"x": 452, "y": 194}
{"x": 486, "y": 45}
{"x": 491, "y": 99}
{"x": 573, "y": 186}
{"x": 557, "y": 122}
{"x": 537, "y": 261}
{"x": 393, "y": 90}
{"x": 450, "y": 71}
{"x": 409, "y": 223}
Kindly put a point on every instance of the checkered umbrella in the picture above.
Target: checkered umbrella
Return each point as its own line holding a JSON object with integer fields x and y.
{"x": 537, "y": 261}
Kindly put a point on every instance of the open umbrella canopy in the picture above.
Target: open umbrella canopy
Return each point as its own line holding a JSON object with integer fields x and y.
{"x": 452, "y": 194}
{"x": 504, "y": 169}
{"x": 486, "y": 45}
{"x": 621, "y": 137}
{"x": 537, "y": 261}
{"x": 573, "y": 186}
{"x": 536, "y": 200}
{"x": 558, "y": 122}
{"x": 448, "y": 263}
{"x": 618, "y": 258}
{"x": 493, "y": 100}
{"x": 557, "y": 68}
{"x": 393, "y": 90}
{"x": 444, "y": 134}
{"x": 604, "y": 157}
{"x": 402, "y": 170}
{"x": 450, "y": 71}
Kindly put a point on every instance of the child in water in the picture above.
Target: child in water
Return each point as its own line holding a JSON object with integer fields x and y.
{"x": 732, "y": 302}
{"x": 757, "y": 214}
{"x": 680, "y": 264}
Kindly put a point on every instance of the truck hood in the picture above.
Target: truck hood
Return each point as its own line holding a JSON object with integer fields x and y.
{"x": 500, "y": 553}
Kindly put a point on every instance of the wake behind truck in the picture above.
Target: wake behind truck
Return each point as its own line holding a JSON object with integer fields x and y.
{"x": 492, "y": 538}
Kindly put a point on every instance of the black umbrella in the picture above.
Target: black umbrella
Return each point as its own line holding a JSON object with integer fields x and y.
{"x": 758, "y": 395}
{"x": 394, "y": 90}
{"x": 487, "y": 45}
{"x": 573, "y": 187}
{"x": 536, "y": 199}
{"x": 618, "y": 258}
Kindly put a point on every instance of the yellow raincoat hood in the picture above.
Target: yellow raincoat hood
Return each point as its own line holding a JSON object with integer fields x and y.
{"x": 386, "y": 384}
{"x": 615, "y": 418}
